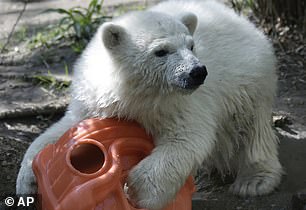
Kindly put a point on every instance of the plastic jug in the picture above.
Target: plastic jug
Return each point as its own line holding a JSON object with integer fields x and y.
{"x": 87, "y": 167}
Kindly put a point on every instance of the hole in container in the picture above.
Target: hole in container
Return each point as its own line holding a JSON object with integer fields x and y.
{"x": 87, "y": 158}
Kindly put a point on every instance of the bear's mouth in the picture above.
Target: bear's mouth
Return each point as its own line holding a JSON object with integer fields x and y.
{"x": 188, "y": 88}
{"x": 192, "y": 84}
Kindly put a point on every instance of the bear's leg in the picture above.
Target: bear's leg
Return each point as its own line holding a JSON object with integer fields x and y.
{"x": 259, "y": 170}
{"x": 25, "y": 183}
{"x": 157, "y": 178}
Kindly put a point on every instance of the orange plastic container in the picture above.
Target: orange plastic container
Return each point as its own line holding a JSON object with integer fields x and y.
{"x": 87, "y": 167}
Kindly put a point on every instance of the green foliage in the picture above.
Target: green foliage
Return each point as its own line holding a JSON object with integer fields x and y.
{"x": 47, "y": 37}
{"x": 50, "y": 80}
{"x": 83, "y": 22}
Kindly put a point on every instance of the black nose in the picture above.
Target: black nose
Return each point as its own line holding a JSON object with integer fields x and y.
{"x": 198, "y": 73}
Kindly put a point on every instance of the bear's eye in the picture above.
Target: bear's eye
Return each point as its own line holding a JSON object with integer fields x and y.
{"x": 191, "y": 48}
{"x": 161, "y": 53}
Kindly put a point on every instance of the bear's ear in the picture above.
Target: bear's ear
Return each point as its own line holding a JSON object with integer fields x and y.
{"x": 112, "y": 35}
{"x": 190, "y": 20}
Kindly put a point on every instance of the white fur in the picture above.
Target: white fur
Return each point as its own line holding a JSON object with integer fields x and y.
{"x": 225, "y": 123}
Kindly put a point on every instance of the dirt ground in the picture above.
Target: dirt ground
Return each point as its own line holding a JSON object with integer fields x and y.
{"x": 28, "y": 108}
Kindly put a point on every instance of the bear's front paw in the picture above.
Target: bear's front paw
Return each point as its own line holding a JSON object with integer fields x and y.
{"x": 258, "y": 184}
{"x": 25, "y": 183}
{"x": 149, "y": 187}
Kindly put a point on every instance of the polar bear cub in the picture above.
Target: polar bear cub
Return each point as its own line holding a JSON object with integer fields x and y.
{"x": 196, "y": 76}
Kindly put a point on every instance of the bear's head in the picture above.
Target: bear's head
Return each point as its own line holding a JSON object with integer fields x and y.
{"x": 154, "y": 51}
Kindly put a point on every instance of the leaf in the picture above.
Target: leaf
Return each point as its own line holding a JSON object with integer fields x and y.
{"x": 78, "y": 29}
{"x": 75, "y": 11}
{"x": 66, "y": 68}
{"x": 92, "y": 5}
{"x": 63, "y": 20}
{"x": 58, "y": 10}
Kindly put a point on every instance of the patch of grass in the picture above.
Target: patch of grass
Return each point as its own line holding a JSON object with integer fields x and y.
{"x": 77, "y": 25}
{"x": 82, "y": 22}
{"x": 50, "y": 81}
{"x": 50, "y": 36}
